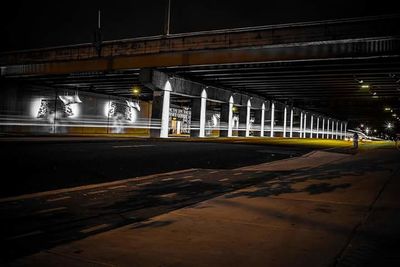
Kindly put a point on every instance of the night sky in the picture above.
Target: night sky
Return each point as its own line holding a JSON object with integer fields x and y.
{"x": 34, "y": 24}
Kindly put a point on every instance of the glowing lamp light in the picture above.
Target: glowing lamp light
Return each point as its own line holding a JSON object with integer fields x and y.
{"x": 365, "y": 86}
{"x": 136, "y": 90}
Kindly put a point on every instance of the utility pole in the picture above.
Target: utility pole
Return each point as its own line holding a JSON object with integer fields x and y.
{"x": 98, "y": 40}
{"x": 167, "y": 25}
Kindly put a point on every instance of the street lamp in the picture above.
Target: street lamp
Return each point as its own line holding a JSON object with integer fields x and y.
{"x": 136, "y": 90}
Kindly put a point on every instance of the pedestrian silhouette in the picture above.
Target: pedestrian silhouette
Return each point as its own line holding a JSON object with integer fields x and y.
{"x": 355, "y": 140}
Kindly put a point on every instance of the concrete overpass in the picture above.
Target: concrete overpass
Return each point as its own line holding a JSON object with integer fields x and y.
{"x": 332, "y": 70}
{"x": 347, "y": 38}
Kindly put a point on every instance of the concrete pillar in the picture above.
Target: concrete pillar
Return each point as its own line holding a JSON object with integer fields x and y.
{"x": 284, "y": 121}
{"x": 333, "y": 129}
{"x": 230, "y": 118}
{"x": 248, "y": 110}
{"x": 291, "y": 123}
{"x": 327, "y": 129}
{"x": 272, "y": 119}
{"x": 226, "y": 120}
{"x": 262, "y": 120}
{"x": 341, "y": 130}
{"x": 323, "y": 128}
{"x": 301, "y": 125}
{"x": 305, "y": 126}
{"x": 160, "y": 112}
{"x": 337, "y": 130}
{"x": 203, "y": 112}
{"x": 259, "y": 116}
{"x": 312, "y": 127}
{"x": 345, "y": 129}
{"x": 198, "y": 116}
{"x": 317, "y": 127}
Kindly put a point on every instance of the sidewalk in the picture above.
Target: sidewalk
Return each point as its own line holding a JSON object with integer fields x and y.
{"x": 319, "y": 212}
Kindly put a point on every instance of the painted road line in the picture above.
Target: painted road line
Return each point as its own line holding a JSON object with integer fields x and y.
{"x": 57, "y": 199}
{"x": 133, "y": 146}
{"x": 96, "y": 192}
{"x": 238, "y": 173}
{"x": 188, "y": 176}
{"x": 25, "y": 235}
{"x": 211, "y": 172}
{"x": 224, "y": 180}
{"x": 195, "y": 180}
{"x": 94, "y": 228}
{"x": 50, "y": 210}
{"x": 143, "y": 184}
{"x": 117, "y": 187}
{"x": 167, "y": 179}
{"x": 169, "y": 195}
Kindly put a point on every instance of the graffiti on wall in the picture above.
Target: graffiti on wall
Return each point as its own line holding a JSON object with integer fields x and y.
{"x": 183, "y": 116}
{"x": 69, "y": 105}
{"x": 121, "y": 112}
{"x": 46, "y": 109}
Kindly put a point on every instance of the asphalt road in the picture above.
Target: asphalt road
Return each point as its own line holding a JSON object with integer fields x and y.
{"x": 31, "y": 224}
{"x": 41, "y": 222}
{"x": 40, "y": 166}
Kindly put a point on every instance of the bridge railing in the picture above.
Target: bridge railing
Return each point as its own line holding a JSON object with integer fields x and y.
{"x": 370, "y": 27}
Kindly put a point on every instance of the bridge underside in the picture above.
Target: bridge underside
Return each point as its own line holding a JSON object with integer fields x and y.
{"x": 349, "y": 69}
{"x": 359, "y": 87}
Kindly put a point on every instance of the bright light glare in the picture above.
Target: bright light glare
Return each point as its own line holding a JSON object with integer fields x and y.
{"x": 136, "y": 90}
{"x": 34, "y": 106}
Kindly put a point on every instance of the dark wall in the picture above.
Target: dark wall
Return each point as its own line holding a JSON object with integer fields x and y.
{"x": 33, "y": 24}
